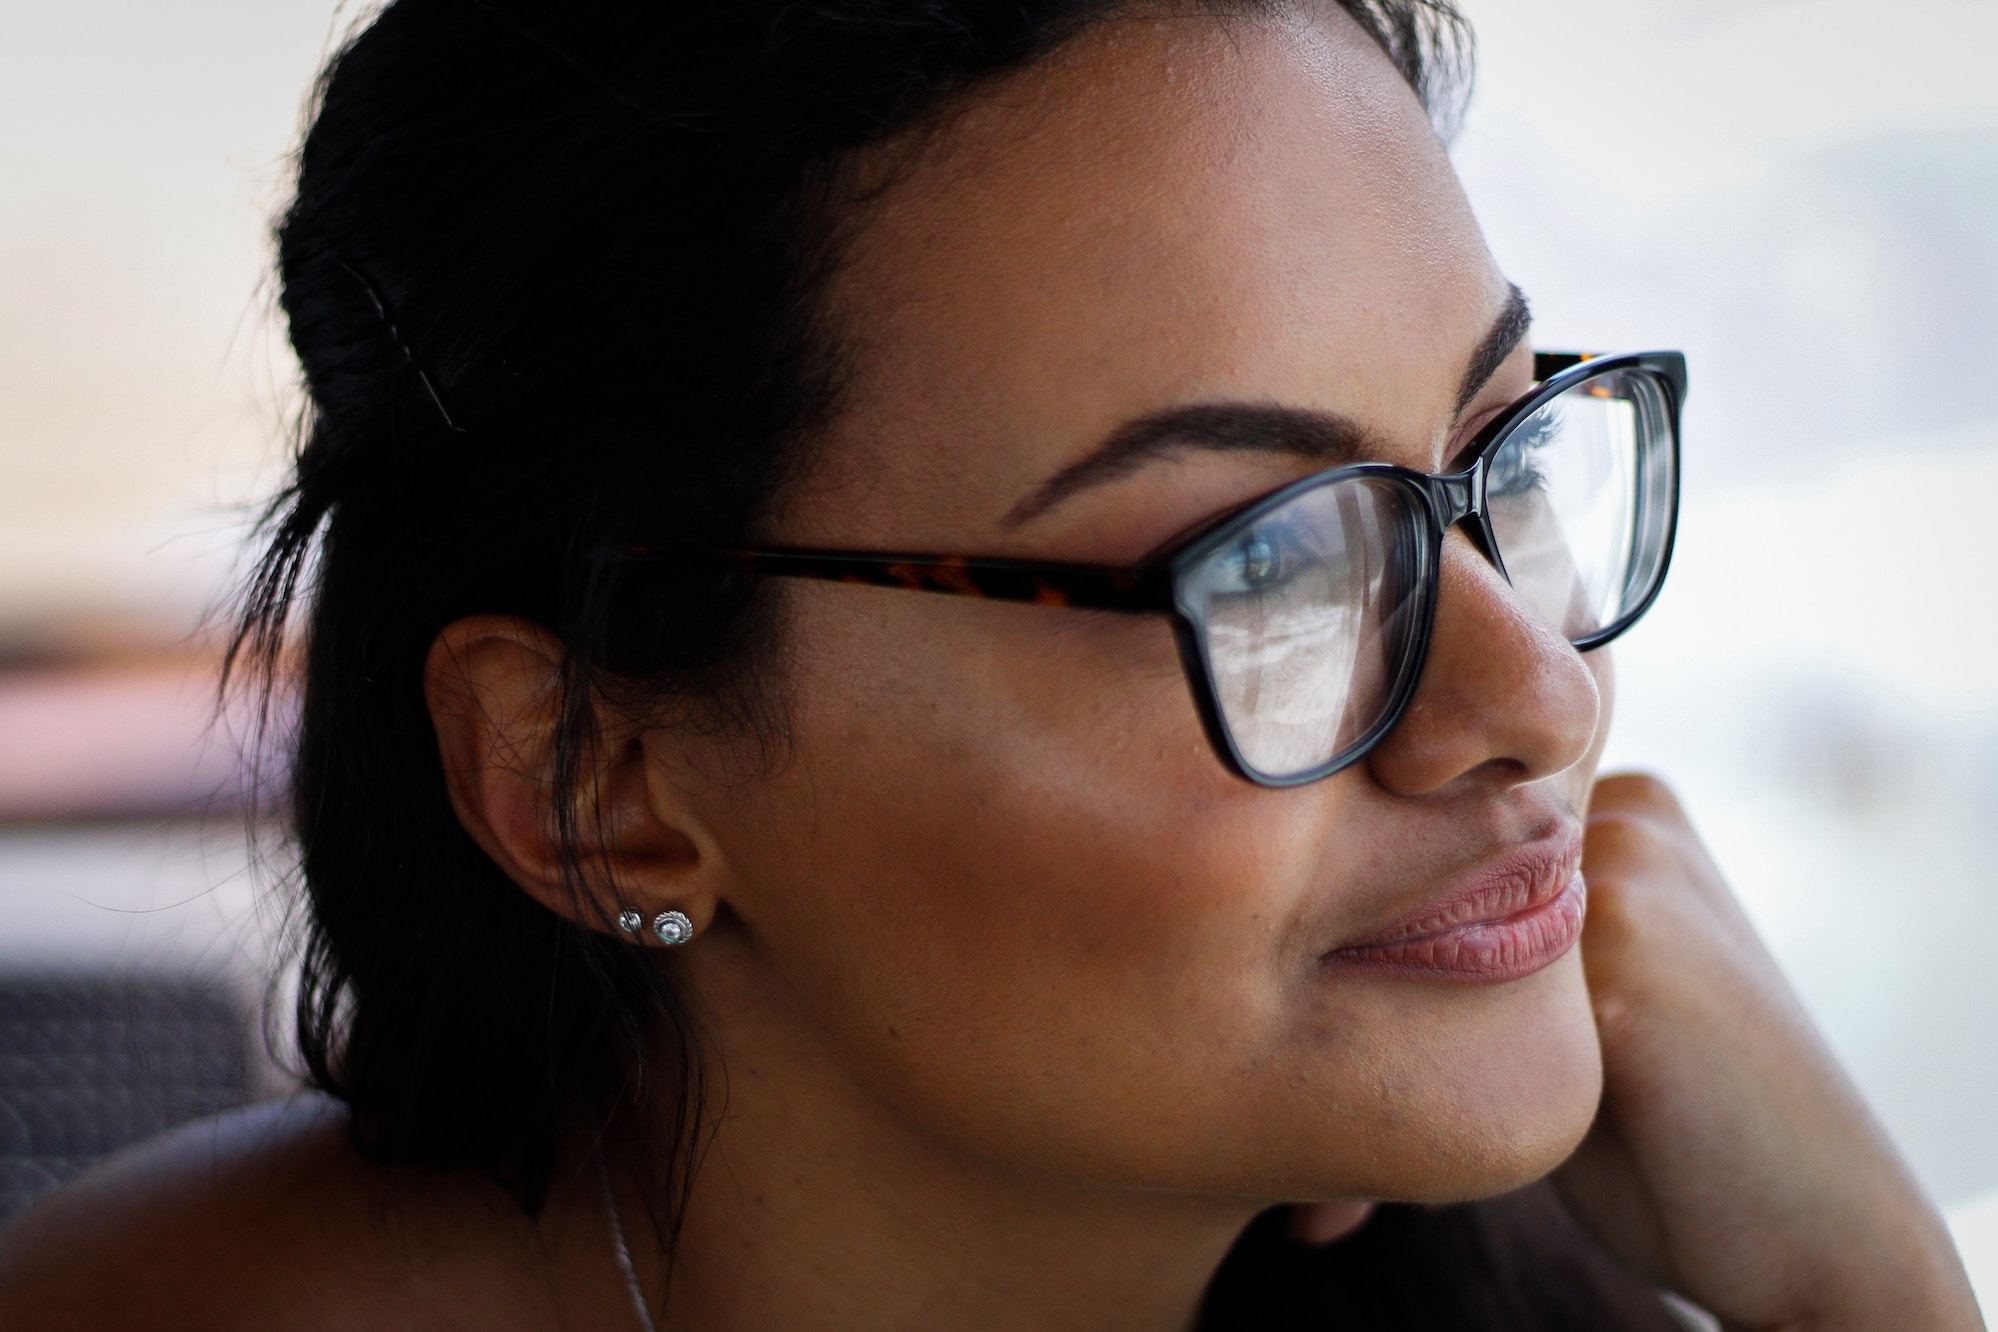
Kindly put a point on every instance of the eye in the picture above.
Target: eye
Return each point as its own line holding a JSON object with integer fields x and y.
{"x": 1264, "y": 557}
{"x": 1516, "y": 468}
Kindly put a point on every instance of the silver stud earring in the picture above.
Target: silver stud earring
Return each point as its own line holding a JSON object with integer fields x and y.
{"x": 629, "y": 921}
{"x": 672, "y": 927}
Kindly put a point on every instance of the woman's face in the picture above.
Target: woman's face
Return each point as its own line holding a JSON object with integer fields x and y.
{"x": 1002, "y": 885}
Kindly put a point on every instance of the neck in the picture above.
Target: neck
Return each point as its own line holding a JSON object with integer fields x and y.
{"x": 814, "y": 1207}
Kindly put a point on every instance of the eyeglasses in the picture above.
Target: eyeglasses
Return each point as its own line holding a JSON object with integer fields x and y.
{"x": 1303, "y": 617}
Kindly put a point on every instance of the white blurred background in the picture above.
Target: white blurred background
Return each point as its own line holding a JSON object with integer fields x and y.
{"x": 1801, "y": 194}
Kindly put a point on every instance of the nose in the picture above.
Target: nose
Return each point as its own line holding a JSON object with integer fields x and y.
{"x": 1504, "y": 698}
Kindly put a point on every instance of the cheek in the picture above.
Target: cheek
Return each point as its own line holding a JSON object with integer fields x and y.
{"x": 1009, "y": 883}
{"x": 1009, "y": 840}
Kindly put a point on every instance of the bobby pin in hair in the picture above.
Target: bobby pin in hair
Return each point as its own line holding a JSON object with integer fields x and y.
{"x": 381, "y": 308}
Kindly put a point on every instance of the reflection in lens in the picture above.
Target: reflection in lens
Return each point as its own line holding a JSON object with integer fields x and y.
{"x": 1579, "y": 498}
{"x": 1309, "y": 616}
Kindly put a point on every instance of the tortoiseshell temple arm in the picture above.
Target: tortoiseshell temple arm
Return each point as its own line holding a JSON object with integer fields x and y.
{"x": 1090, "y": 586}
{"x": 1546, "y": 365}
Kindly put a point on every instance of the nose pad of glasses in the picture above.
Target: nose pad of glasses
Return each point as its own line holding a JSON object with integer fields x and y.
{"x": 1462, "y": 496}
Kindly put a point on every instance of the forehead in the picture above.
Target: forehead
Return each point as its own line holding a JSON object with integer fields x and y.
{"x": 1168, "y": 209}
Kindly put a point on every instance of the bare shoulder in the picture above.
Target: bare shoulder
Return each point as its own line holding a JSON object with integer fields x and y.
{"x": 189, "y": 1220}
{"x": 260, "y": 1217}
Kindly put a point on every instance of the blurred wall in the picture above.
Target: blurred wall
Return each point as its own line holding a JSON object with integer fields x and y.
{"x": 141, "y": 146}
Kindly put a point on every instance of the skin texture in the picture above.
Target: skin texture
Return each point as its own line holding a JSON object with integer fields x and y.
{"x": 1002, "y": 928}
{"x": 1017, "y": 989}
{"x": 1733, "y": 1158}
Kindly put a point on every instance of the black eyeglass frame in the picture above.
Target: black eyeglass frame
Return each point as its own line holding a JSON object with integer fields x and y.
{"x": 1152, "y": 585}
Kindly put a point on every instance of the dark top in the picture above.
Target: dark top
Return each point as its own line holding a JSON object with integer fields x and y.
{"x": 1517, "y": 1262}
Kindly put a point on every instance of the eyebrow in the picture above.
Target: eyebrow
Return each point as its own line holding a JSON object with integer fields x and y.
{"x": 1497, "y": 344}
{"x": 1228, "y": 427}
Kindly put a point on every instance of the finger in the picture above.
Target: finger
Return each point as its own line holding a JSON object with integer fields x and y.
{"x": 1323, "y": 1222}
{"x": 1635, "y": 792}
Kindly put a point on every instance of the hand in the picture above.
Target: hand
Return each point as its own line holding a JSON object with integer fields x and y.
{"x": 1323, "y": 1222}
{"x": 1731, "y": 1159}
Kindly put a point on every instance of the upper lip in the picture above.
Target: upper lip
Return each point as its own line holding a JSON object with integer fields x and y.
{"x": 1521, "y": 878}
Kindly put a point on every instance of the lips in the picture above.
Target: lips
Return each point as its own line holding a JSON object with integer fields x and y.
{"x": 1508, "y": 918}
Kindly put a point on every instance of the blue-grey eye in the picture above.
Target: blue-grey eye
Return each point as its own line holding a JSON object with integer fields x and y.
{"x": 1259, "y": 558}
{"x": 1257, "y": 561}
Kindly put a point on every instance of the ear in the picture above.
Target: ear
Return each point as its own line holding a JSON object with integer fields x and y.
{"x": 492, "y": 684}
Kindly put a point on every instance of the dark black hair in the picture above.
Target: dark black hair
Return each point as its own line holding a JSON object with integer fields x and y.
{"x": 551, "y": 270}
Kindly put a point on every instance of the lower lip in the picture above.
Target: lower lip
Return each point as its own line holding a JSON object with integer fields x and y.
{"x": 1483, "y": 951}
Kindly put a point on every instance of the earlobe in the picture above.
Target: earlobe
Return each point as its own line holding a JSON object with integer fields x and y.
{"x": 670, "y": 928}
{"x": 493, "y": 688}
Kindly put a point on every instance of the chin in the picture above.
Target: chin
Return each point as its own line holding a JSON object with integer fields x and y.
{"x": 1486, "y": 1091}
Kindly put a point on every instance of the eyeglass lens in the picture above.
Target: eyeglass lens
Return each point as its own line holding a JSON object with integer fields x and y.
{"x": 1579, "y": 497}
{"x": 1308, "y": 614}
{"x": 1313, "y": 613}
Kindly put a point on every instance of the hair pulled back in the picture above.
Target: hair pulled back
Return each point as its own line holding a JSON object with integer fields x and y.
{"x": 550, "y": 271}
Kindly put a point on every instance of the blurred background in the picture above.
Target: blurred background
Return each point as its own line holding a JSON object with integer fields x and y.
{"x": 1801, "y": 194}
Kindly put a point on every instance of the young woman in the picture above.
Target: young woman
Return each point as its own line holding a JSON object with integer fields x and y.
{"x": 953, "y": 679}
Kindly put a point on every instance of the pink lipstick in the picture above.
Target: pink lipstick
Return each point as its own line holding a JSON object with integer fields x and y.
{"x": 1507, "y": 919}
